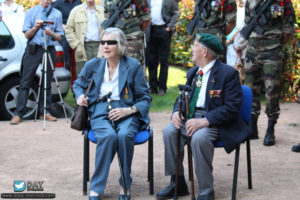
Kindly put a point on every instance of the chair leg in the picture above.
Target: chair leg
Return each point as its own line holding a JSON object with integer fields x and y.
{"x": 85, "y": 162}
{"x": 150, "y": 162}
{"x": 235, "y": 173}
{"x": 249, "y": 170}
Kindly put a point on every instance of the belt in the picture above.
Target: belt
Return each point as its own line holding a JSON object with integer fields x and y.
{"x": 199, "y": 108}
{"x": 92, "y": 42}
{"x": 158, "y": 26}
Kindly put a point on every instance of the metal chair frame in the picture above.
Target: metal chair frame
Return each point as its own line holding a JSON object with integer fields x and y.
{"x": 86, "y": 160}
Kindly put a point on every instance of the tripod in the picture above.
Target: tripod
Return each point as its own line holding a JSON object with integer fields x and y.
{"x": 46, "y": 56}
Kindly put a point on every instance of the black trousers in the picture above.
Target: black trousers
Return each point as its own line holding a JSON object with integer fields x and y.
{"x": 32, "y": 59}
{"x": 158, "y": 50}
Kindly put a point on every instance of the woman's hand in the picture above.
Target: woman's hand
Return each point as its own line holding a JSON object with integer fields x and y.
{"x": 118, "y": 113}
{"x": 82, "y": 100}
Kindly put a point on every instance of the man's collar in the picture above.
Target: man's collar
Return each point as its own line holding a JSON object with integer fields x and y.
{"x": 207, "y": 67}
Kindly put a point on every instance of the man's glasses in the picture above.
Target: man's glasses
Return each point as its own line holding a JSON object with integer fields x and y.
{"x": 108, "y": 42}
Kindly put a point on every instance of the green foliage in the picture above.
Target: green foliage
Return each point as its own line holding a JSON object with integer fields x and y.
{"x": 181, "y": 44}
{"x": 290, "y": 77}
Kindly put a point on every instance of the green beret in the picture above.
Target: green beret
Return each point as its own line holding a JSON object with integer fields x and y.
{"x": 210, "y": 41}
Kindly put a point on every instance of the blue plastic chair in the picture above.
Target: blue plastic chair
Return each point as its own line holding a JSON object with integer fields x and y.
{"x": 245, "y": 114}
{"x": 141, "y": 137}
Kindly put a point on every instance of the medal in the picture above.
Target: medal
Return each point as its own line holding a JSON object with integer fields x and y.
{"x": 198, "y": 83}
{"x": 126, "y": 95}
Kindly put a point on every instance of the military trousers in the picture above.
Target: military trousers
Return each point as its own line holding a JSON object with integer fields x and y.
{"x": 262, "y": 74}
{"x": 111, "y": 141}
{"x": 202, "y": 151}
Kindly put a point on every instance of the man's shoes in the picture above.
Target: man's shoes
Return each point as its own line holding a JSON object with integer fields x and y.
{"x": 169, "y": 191}
{"x": 296, "y": 148}
{"x": 122, "y": 197}
{"x": 16, "y": 120}
{"x": 49, "y": 117}
{"x": 153, "y": 90}
{"x": 210, "y": 196}
{"x": 94, "y": 198}
{"x": 269, "y": 139}
{"x": 162, "y": 93}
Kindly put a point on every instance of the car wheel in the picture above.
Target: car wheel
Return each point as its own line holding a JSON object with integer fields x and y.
{"x": 9, "y": 91}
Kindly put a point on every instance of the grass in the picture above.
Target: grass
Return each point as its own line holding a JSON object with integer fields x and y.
{"x": 177, "y": 75}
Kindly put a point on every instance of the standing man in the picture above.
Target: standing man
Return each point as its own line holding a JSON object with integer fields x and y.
{"x": 65, "y": 7}
{"x": 220, "y": 19}
{"x": 34, "y": 29}
{"x": 164, "y": 17}
{"x": 133, "y": 25}
{"x": 83, "y": 31}
{"x": 214, "y": 104}
{"x": 264, "y": 60}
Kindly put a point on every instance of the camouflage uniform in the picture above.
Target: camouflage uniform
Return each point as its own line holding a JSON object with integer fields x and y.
{"x": 138, "y": 12}
{"x": 217, "y": 18}
{"x": 264, "y": 57}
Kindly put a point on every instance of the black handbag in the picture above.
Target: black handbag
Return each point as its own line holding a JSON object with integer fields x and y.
{"x": 79, "y": 119}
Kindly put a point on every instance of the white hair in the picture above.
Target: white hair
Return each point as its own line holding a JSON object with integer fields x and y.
{"x": 120, "y": 37}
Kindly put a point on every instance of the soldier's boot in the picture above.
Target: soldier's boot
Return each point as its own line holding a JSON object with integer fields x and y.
{"x": 253, "y": 128}
{"x": 269, "y": 139}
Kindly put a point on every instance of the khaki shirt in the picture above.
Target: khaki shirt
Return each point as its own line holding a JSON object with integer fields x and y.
{"x": 76, "y": 29}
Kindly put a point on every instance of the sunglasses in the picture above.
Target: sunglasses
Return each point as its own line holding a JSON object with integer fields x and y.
{"x": 108, "y": 42}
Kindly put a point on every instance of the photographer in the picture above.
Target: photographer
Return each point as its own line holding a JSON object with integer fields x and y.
{"x": 39, "y": 20}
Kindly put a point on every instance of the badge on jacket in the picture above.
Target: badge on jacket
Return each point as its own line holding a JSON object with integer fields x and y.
{"x": 214, "y": 93}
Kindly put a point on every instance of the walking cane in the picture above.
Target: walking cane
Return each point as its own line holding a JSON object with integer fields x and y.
{"x": 181, "y": 88}
{"x": 190, "y": 158}
{"x": 109, "y": 107}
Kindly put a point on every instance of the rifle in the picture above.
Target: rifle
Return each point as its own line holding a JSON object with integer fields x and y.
{"x": 202, "y": 7}
{"x": 258, "y": 13}
{"x": 115, "y": 17}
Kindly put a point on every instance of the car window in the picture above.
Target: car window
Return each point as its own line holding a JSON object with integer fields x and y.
{"x": 6, "y": 39}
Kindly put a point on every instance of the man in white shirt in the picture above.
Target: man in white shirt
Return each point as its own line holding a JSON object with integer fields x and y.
{"x": 10, "y": 7}
{"x": 214, "y": 105}
{"x": 164, "y": 18}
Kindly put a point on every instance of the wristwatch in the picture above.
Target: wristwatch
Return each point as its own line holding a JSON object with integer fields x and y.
{"x": 53, "y": 35}
{"x": 133, "y": 110}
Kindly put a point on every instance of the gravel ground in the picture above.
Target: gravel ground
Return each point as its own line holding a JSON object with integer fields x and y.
{"x": 55, "y": 156}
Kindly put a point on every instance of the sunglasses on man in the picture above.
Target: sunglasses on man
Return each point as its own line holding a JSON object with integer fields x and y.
{"x": 108, "y": 42}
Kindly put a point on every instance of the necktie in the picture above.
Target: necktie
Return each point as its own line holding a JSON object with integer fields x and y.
{"x": 44, "y": 18}
{"x": 195, "y": 94}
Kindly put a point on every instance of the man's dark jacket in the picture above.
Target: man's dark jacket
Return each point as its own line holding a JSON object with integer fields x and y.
{"x": 223, "y": 109}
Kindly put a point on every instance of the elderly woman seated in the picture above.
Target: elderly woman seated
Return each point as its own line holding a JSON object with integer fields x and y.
{"x": 130, "y": 100}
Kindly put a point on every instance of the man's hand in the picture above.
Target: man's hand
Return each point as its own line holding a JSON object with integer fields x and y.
{"x": 118, "y": 113}
{"x": 145, "y": 24}
{"x": 192, "y": 125}
{"x": 48, "y": 31}
{"x": 168, "y": 29}
{"x": 38, "y": 24}
{"x": 177, "y": 120}
{"x": 82, "y": 100}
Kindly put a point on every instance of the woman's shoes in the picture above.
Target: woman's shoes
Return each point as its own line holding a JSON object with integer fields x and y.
{"x": 122, "y": 197}
{"x": 94, "y": 198}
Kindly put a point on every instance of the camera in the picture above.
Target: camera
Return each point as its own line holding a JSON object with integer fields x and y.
{"x": 45, "y": 23}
